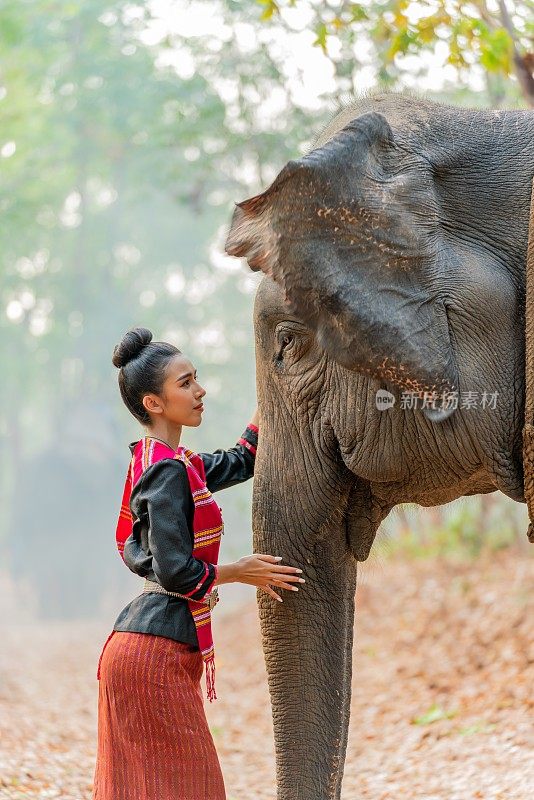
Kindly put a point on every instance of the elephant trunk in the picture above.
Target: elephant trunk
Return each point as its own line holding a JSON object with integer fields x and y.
{"x": 307, "y": 642}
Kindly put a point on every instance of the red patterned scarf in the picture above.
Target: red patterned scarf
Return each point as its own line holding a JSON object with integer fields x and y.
{"x": 207, "y": 530}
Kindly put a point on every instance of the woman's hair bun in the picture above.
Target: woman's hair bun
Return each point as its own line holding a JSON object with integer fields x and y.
{"x": 130, "y": 346}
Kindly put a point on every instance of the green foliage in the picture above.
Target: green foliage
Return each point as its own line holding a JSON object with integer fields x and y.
{"x": 496, "y": 38}
{"x": 462, "y": 531}
{"x": 322, "y": 32}
{"x": 113, "y": 182}
{"x": 271, "y": 8}
{"x": 122, "y": 151}
{"x": 434, "y": 714}
{"x": 476, "y": 727}
{"x": 496, "y": 51}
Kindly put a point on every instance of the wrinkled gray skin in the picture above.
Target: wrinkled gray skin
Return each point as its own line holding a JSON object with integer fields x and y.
{"x": 395, "y": 252}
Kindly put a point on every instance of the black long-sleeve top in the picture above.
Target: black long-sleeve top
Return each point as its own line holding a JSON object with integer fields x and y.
{"x": 160, "y": 546}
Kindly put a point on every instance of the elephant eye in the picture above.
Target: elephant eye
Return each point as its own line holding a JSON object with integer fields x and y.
{"x": 291, "y": 338}
{"x": 286, "y": 341}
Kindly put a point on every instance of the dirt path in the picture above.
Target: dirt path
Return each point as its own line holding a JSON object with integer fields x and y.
{"x": 443, "y": 701}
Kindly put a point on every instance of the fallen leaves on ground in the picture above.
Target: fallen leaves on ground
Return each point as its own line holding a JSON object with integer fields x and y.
{"x": 442, "y": 709}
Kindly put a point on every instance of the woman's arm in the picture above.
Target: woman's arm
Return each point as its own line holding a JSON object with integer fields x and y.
{"x": 167, "y": 493}
{"x": 169, "y": 542}
{"x": 225, "y": 468}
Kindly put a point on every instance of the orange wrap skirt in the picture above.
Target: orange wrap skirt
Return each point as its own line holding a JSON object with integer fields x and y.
{"x": 154, "y": 742}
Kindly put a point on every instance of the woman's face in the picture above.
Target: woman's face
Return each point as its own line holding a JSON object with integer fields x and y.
{"x": 180, "y": 399}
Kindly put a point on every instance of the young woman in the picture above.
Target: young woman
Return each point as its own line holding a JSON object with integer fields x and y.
{"x": 153, "y": 738}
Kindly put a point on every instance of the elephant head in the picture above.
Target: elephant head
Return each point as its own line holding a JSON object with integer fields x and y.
{"x": 394, "y": 260}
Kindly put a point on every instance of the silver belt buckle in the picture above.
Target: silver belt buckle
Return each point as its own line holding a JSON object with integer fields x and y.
{"x": 213, "y": 598}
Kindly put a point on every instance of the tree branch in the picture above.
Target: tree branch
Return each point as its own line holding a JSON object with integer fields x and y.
{"x": 486, "y": 15}
{"x": 523, "y": 63}
{"x": 506, "y": 20}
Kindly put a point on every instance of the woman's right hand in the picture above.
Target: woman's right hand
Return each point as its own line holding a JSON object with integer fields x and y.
{"x": 263, "y": 571}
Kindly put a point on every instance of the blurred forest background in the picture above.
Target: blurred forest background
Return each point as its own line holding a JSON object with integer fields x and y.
{"x": 127, "y": 131}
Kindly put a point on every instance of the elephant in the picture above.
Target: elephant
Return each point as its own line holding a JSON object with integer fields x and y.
{"x": 394, "y": 257}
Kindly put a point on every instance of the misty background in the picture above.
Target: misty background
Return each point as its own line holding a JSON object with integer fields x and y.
{"x": 127, "y": 133}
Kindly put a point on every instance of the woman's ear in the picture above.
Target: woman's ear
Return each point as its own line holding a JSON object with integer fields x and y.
{"x": 152, "y": 404}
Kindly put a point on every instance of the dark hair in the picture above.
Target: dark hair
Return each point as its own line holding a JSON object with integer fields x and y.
{"x": 142, "y": 365}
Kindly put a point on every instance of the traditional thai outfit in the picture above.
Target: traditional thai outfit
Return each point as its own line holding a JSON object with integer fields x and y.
{"x": 153, "y": 738}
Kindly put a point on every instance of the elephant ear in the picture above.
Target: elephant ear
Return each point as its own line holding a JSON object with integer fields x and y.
{"x": 252, "y": 235}
{"x": 297, "y": 211}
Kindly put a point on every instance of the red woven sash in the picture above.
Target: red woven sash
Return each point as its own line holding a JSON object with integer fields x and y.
{"x": 207, "y": 530}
